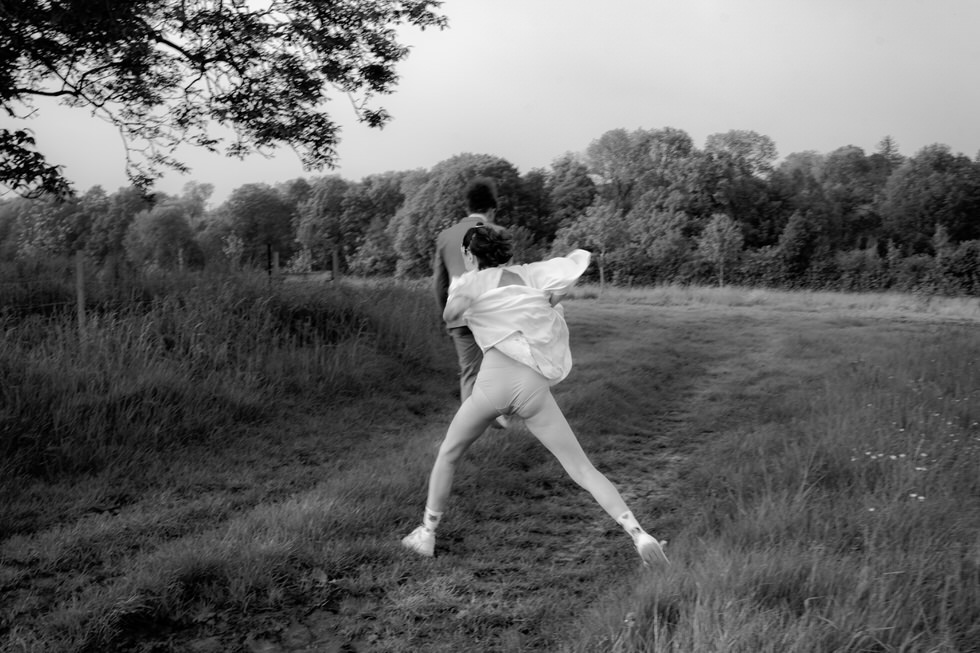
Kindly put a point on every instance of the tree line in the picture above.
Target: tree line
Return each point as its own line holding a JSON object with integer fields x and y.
{"x": 650, "y": 205}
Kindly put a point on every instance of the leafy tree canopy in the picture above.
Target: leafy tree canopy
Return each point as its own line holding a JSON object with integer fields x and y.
{"x": 161, "y": 237}
{"x": 441, "y": 201}
{"x": 934, "y": 187}
{"x": 754, "y": 152}
{"x": 319, "y": 220}
{"x": 720, "y": 243}
{"x": 261, "y": 218}
{"x": 571, "y": 190}
{"x": 166, "y": 72}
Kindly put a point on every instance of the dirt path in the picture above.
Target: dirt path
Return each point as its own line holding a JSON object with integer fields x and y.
{"x": 690, "y": 363}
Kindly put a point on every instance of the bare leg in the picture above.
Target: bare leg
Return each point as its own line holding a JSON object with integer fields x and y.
{"x": 549, "y": 425}
{"x": 546, "y": 421}
{"x": 470, "y": 422}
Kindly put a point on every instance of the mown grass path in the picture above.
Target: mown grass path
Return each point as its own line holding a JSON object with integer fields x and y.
{"x": 314, "y": 504}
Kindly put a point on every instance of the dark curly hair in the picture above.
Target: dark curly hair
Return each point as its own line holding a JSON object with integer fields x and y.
{"x": 490, "y": 246}
{"x": 481, "y": 195}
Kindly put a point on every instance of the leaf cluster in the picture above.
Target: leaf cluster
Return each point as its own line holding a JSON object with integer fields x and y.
{"x": 166, "y": 72}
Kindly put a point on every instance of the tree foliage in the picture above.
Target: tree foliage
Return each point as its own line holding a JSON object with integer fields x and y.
{"x": 439, "y": 202}
{"x": 721, "y": 243}
{"x": 797, "y": 245}
{"x": 162, "y": 238}
{"x": 602, "y": 229}
{"x": 531, "y": 210}
{"x": 108, "y": 229}
{"x": 262, "y": 219}
{"x": 846, "y": 219}
{"x": 934, "y": 187}
{"x": 25, "y": 170}
{"x": 319, "y": 221}
{"x": 369, "y": 207}
{"x": 49, "y": 226}
{"x": 620, "y": 160}
{"x": 659, "y": 245}
{"x": 570, "y": 190}
{"x": 165, "y": 72}
{"x": 753, "y": 152}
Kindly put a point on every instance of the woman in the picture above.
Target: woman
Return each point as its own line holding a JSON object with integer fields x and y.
{"x": 514, "y": 314}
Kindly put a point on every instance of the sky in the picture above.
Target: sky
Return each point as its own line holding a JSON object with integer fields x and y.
{"x": 529, "y": 80}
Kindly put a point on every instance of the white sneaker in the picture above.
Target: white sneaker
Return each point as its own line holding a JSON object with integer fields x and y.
{"x": 422, "y": 541}
{"x": 650, "y": 550}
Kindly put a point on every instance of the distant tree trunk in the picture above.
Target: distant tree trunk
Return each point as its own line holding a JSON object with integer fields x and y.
{"x": 336, "y": 264}
{"x": 80, "y": 293}
{"x": 602, "y": 272}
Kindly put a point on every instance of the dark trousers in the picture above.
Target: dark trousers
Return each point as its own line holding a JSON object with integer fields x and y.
{"x": 470, "y": 356}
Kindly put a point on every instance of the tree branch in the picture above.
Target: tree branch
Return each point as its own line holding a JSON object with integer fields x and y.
{"x": 32, "y": 91}
{"x": 199, "y": 61}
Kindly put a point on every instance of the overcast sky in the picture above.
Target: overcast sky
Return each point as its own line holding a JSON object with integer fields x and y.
{"x": 529, "y": 80}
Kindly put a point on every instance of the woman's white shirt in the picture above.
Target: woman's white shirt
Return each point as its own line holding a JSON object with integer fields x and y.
{"x": 519, "y": 320}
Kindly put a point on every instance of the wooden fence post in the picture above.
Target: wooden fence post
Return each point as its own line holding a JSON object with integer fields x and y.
{"x": 80, "y": 292}
{"x": 268, "y": 262}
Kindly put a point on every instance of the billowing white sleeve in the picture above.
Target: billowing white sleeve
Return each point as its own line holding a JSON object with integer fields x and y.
{"x": 558, "y": 275}
{"x": 459, "y": 282}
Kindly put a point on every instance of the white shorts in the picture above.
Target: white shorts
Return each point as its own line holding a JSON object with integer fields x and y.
{"x": 511, "y": 387}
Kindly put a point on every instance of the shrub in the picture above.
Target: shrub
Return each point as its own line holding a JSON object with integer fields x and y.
{"x": 860, "y": 270}
{"x": 960, "y": 269}
{"x": 915, "y": 273}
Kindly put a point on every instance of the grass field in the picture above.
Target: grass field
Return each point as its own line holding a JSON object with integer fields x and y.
{"x": 813, "y": 460}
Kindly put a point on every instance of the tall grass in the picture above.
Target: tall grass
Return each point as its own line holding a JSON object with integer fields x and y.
{"x": 193, "y": 361}
{"x": 884, "y": 303}
{"x": 811, "y": 522}
{"x": 852, "y": 526}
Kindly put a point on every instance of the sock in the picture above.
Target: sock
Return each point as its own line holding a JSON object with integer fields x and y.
{"x": 431, "y": 519}
{"x": 629, "y": 524}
